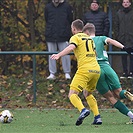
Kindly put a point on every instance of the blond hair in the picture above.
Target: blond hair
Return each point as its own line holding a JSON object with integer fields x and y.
{"x": 90, "y": 27}
{"x": 78, "y": 24}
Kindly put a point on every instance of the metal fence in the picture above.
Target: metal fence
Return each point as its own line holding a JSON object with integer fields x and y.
{"x": 34, "y": 53}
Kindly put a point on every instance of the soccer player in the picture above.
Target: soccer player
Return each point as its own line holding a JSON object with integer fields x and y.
{"x": 87, "y": 74}
{"x": 108, "y": 84}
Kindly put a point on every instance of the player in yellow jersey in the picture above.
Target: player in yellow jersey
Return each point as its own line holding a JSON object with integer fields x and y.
{"x": 87, "y": 74}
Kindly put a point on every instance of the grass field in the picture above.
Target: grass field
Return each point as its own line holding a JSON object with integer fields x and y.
{"x": 63, "y": 121}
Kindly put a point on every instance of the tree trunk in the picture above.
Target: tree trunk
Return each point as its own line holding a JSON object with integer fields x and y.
{"x": 31, "y": 12}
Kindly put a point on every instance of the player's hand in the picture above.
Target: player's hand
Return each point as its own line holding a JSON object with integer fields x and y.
{"x": 55, "y": 57}
{"x": 129, "y": 50}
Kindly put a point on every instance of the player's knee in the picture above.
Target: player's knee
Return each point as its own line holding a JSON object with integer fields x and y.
{"x": 86, "y": 93}
{"x": 72, "y": 92}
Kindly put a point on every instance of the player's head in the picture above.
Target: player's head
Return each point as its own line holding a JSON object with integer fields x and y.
{"x": 77, "y": 26}
{"x": 94, "y": 6}
{"x": 126, "y": 3}
{"x": 89, "y": 29}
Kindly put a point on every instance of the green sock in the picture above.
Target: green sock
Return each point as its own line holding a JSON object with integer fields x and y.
{"x": 121, "y": 107}
{"x": 122, "y": 96}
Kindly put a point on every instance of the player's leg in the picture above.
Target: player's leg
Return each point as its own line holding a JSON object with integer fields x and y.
{"x": 114, "y": 84}
{"x": 75, "y": 99}
{"x": 111, "y": 82}
{"x": 124, "y": 110}
{"x": 118, "y": 105}
{"x": 78, "y": 83}
{"x": 123, "y": 94}
{"x": 92, "y": 102}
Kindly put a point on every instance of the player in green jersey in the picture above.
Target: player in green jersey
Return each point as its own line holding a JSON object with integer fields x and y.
{"x": 108, "y": 84}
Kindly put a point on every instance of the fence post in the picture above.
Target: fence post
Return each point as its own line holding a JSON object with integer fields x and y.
{"x": 34, "y": 78}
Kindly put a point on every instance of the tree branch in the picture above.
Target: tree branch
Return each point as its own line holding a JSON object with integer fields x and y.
{"x": 14, "y": 15}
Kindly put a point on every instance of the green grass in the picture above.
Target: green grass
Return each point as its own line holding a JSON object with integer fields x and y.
{"x": 63, "y": 121}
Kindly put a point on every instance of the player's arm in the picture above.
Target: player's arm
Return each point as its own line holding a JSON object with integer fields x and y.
{"x": 66, "y": 51}
{"x": 129, "y": 50}
{"x": 114, "y": 42}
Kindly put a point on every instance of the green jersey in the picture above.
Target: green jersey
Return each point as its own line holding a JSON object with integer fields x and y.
{"x": 100, "y": 41}
{"x": 108, "y": 78}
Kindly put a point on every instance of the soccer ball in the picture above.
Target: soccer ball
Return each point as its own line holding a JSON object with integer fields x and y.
{"x": 6, "y": 116}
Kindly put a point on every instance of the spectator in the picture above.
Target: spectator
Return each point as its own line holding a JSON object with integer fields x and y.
{"x": 98, "y": 18}
{"x": 58, "y": 16}
{"x": 124, "y": 34}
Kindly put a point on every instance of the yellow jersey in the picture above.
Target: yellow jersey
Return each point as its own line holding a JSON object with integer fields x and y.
{"x": 85, "y": 49}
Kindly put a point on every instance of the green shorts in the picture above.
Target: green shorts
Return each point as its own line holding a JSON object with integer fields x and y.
{"x": 108, "y": 79}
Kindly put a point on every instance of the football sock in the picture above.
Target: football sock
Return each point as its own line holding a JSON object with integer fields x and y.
{"x": 76, "y": 101}
{"x": 130, "y": 114}
{"x": 121, "y": 107}
{"x": 92, "y": 104}
{"x": 122, "y": 96}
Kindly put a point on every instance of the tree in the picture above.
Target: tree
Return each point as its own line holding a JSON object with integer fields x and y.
{"x": 22, "y": 28}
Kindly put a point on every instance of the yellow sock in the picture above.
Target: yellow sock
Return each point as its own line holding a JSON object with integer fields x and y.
{"x": 92, "y": 104}
{"x": 76, "y": 101}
